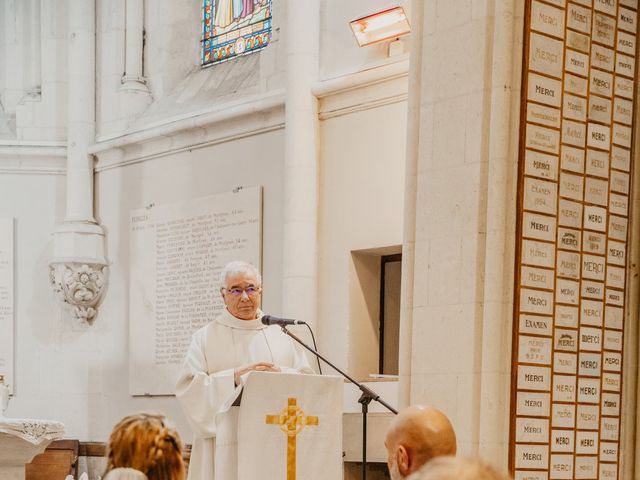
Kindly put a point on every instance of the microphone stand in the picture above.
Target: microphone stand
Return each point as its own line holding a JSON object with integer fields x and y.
{"x": 364, "y": 400}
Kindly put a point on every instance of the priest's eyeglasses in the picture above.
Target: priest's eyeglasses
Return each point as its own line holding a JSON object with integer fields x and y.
{"x": 237, "y": 291}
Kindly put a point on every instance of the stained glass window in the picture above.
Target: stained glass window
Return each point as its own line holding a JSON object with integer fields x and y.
{"x": 234, "y": 27}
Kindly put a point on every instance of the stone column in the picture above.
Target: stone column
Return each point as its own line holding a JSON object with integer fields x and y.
{"x": 133, "y": 78}
{"x": 34, "y": 79}
{"x": 460, "y": 216}
{"x": 78, "y": 269}
{"x": 299, "y": 297}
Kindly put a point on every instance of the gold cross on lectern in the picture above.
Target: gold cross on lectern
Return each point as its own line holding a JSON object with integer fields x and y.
{"x": 291, "y": 420}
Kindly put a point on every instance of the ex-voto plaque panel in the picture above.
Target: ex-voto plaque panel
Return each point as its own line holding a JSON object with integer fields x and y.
{"x": 575, "y": 164}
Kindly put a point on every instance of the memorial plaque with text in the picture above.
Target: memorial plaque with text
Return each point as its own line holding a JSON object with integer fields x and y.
{"x": 177, "y": 254}
{"x": 575, "y": 204}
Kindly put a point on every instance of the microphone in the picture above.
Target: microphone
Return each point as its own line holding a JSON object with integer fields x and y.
{"x": 271, "y": 320}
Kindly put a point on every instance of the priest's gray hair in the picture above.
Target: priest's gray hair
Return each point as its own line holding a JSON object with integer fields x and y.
{"x": 238, "y": 266}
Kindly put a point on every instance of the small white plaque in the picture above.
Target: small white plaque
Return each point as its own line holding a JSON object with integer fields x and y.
{"x": 574, "y": 107}
{"x": 620, "y": 158}
{"x": 625, "y": 65}
{"x": 597, "y": 163}
{"x": 566, "y": 340}
{"x": 611, "y": 382}
{"x": 572, "y": 158}
{"x": 604, "y": 29}
{"x": 589, "y": 390}
{"x": 577, "y": 62}
{"x": 569, "y": 239}
{"x": 537, "y": 278}
{"x": 606, "y": 6}
{"x": 618, "y": 204}
{"x": 573, "y": 133}
{"x": 593, "y": 242}
{"x": 610, "y": 404}
{"x": 579, "y": 18}
{"x": 547, "y": 19}
{"x": 590, "y": 339}
{"x": 562, "y": 440}
{"x": 615, "y": 297}
{"x": 540, "y": 196}
{"x": 544, "y": 139}
{"x": 534, "y": 378}
{"x": 577, "y": 85}
{"x": 622, "y": 135}
{"x": 535, "y": 324}
{"x": 591, "y": 313}
{"x": 544, "y": 90}
{"x": 578, "y": 41}
{"x": 541, "y": 165}
{"x": 531, "y": 475}
{"x": 616, "y": 253}
{"x": 609, "y": 428}
{"x": 622, "y": 111}
{"x": 590, "y": 364}
{"x": 613, "y": 317}
{"x": 571, "y": 186}
{"x": 539, "y": 227}
{"x": 547, "y": 116}
{"x": 534, "y": 350}
{"x": 536, "y": 301}
{"x": 546, "y": 55}
{"x": 619, "y": 182}
{"x": 601, "y": 82}
{"x": 587, "y": 417}
{"x": 627, "y": 20}
{"x": 539, "y": 254}
{"x": 599, "y": 109}
{"x": 591, "y": 289}
{"x": 532, "y": 430}
{"x": 532, "y": 456}
{"x": 596, "y": 191}
{"x": 624, "y": 87}
{"x": 563, "y": 415}
{"x": 533, "y": 404}
{"x": 618, "y": 228}
{"x": 567, "y": 291}
{"x": 566, "y": 316}
{"x": 612, "y": 361}
{"x": 586, "y": 468}
{"x": 568, "y": 265}
{"x": 595, "y": 218}
{"x": 593, "y": 267}
{"x": 602, "y": 57}
{"x": 564, "y": 363}
{"x": 587, "y": 444}
{"x": 626, "y": 43}
{"x": 612, "y": 340}
{"x": 561, "y": 467}
{"x": 570, "y": 214}
{"x": 564, "y": 388}
{"x": 608, "y": 451}
{"x": 599, "y": 136}
{"x": 608, "y": 471}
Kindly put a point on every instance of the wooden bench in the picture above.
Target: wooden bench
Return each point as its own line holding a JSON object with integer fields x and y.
{"x": 58, "y": 460}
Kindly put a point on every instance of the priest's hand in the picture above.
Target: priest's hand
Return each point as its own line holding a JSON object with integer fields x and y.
{"x": 254, "y": 367}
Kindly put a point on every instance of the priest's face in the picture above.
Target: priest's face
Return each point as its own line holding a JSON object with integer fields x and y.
{"x": 242, "y": 295}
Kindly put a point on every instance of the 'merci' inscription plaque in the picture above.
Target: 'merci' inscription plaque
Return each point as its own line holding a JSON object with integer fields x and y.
{"x": 577, "y": 123}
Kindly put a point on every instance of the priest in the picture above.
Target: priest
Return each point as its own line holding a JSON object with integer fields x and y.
{"x": 221, "y": 355}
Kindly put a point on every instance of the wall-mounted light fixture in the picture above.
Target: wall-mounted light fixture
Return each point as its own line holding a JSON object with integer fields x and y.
{"x": 380, "y": 26}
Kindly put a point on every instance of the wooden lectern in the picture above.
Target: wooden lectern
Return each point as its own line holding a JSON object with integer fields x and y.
{"x": 288, "y": 427}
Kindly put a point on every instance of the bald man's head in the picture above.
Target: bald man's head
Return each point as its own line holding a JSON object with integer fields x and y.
{"x": 416, "y": 435}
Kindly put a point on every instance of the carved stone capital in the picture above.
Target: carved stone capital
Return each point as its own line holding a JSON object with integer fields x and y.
{"x": 81, "y": 285}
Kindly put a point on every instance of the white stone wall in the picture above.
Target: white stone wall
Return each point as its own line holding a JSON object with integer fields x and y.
{"x": 466, "y": 163}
